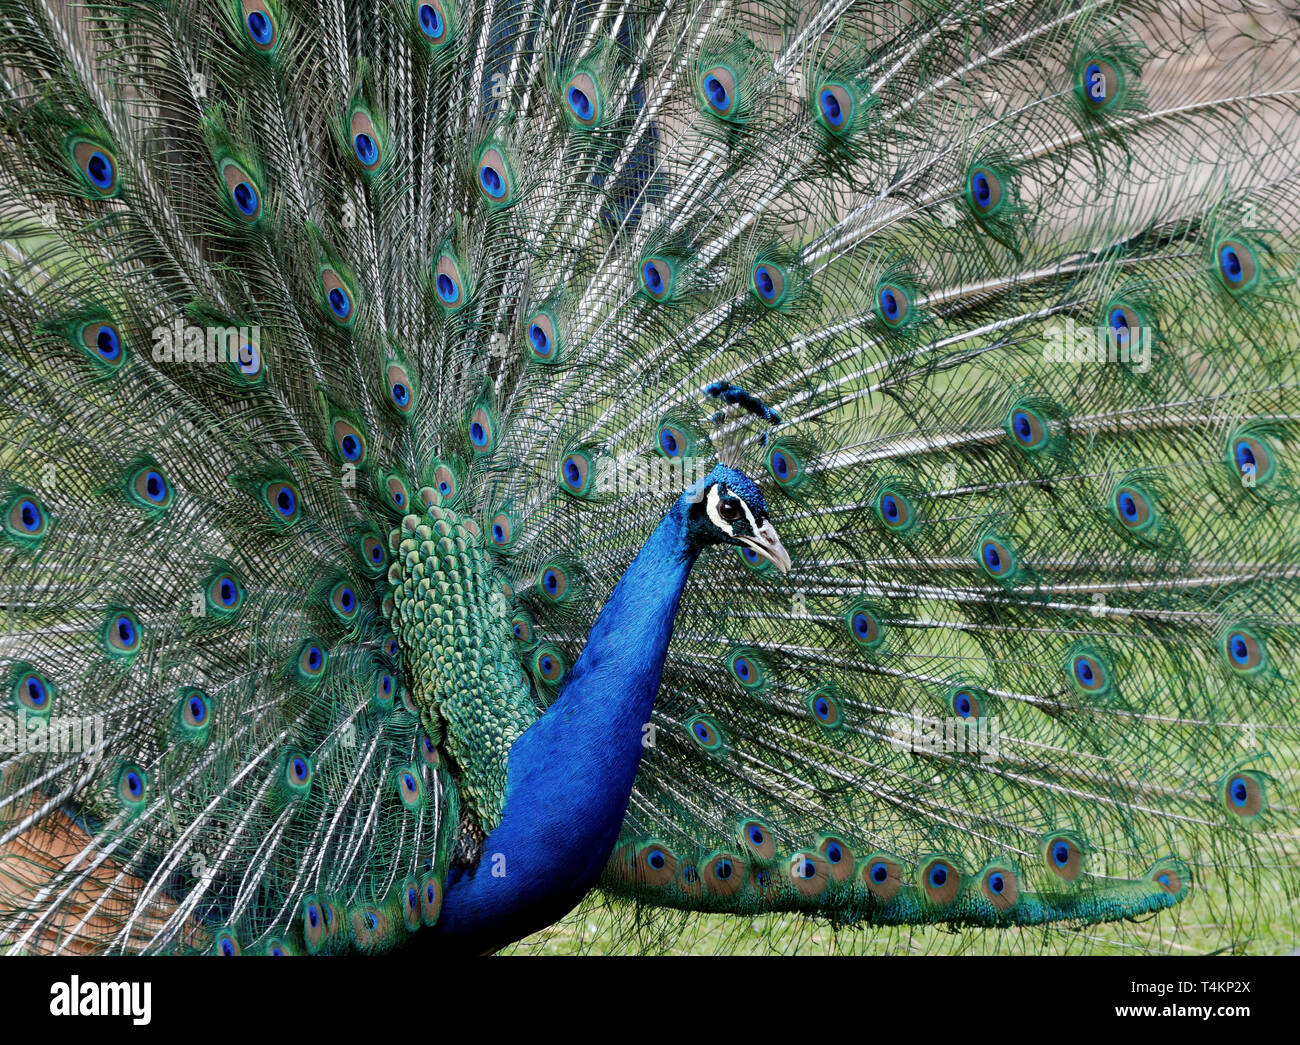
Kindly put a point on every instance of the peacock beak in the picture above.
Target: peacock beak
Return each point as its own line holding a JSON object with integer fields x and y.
{"x": 767, "y": 544}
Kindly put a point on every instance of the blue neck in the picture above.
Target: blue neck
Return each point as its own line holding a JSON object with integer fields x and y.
{"x": 570, "y": 774}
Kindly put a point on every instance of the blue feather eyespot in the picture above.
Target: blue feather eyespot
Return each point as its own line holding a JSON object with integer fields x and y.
{"x": 1100, "y": 84}
{"x": 1000, "y": 886}
{"x": 103, "y": 342}
{"x": 260, "y": 25}
{"x": 769, "y": 283}
{"x": 338, "y": 296}
{"x": 758, "y": 839}
{"x": 1243, "y": 794}
{"x": 297, "y": 772}
{"x": 940, "y": 881}
{"x": 785, "y": 466}
{"x": 864, "y": 627}
{"x": 895, "y": 510}
{"x": 549, "y": 664}
{"x": 997, "y": 558}
{"x": 522, "y": 629}
{"x": 25, "y": 520}
{"x": 894, "y": 305}
{"x": 1237, "y": 266}
{"x": 193, "y": 712}
{"x": 429, "y": 752}
{"x": 984, "y": 192}
{"x": 1252, "y": 459}
{"x": 824, "y": 703}
{"x": 1244, "y": 651}
{"x": 543, "y": 340}
{"x": 718, "y": 89}
{"x": 121, "y": 634}
{"x": 705, "y": 732}
{"x": 1089, "y": 673}
{"x": 501, "y": 530}
{"x": 656, "y": 277}
{"x": 343, "y": 601}
{"x": 398, "y": 494}
{"x": 224, "y": 595}
{"x": 583, "y": 98}
{"x": 392, "y": 648}
{"x": 243, "y": 191}
{"x": 31, "y": 691}
{"x": 444, "y": 481}
{"x": 808, "y": 871}
{"x": 367, "y": 141}
{"x": 723, "y": 874}
{"x": 401, "y": 388}
{"x": 495, "y": 178}
{"x": 834, "y": 108}
{"x": 966, "y": 703}
{"x": 672, "y": 442}
{"x": 448, "y": 282}
{"x": 311, "y": 661}
{"x": 434, "y": 20}
{"x": 96, "y": 164}
{"x": 882, "y": 875}
{"x": 226, "y": 946}
{"x": 247, "y": 361}
{"x": 315, "y": 927}
{"x": 282, "y": 500}
{"x": 383, "y": 691}
{"x": 747, "y": 669}
{"x": 373, "y": 553}
{"x": 1028, "y": 429}
{"x": 410, "y": 787}
{"x": 482, "y": 430}
{"x": 648, "y": 863}
{"x": 1133, "y": 508}
{"x": 1125, "y": 329}
{"x": 349, "y": 442}
{"x": 1063, "y": 856}
{"x": 838, "y": 855}
{"x": 131, "y": 787}
{"x": 577, "y": 475}
{"x": 430, "y": 898}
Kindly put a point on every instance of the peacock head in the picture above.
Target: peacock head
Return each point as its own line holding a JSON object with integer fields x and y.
{"x": 727, "y": 507}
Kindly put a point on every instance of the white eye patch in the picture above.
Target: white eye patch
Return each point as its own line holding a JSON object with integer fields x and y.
{"x": 711, "y": 506}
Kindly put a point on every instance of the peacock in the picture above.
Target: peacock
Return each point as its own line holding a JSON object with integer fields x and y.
{"x": 468, "y": 460}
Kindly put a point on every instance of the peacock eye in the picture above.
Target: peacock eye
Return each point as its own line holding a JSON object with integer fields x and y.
{"x": 729, "y": 510}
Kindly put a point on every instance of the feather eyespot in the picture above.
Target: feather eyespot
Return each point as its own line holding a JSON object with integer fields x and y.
{"x": 193, "y": 712}
{"x": 747, "y": 669}
{"x": 132, "y": 787}
{"x": 809, "y": 872}
{"x": 1134, "y": 509}
{"x": 769, "y": 283}
{"x": 576, "y": 475}
{"x": 448, "y": 282}
{"x": 656, "y": 277}
{"x": 31, "y": 691}
{"x": 718, "y": 89}
{"x": 373, "y": 554}
{"x": 1089, "y": 673}
{"x": 984, "y": 192}
{"x": 723, "y": 874}
{"x": 553, "y": 582}
{"x": 882, "y": 874}
{"x": 997, "y": 558}
{"x": 367, "y": 142}
{"x": 705, "y": 732}
{"x": 122, "y": 634}
{"x": 1243, "y": 794}
{"x": 243, "y": 190}
{"x": 940, "y": 881}
{"x": 543, "y": 341}
{"x": 343, "y": 601}
{"x": 1000, "y": 886}
{"x": 401, "y": 389}
{"x": 501, "y": 530}
{"x": 398, "y": 494}
{"x": 838, "y": 856}
{"x": 349, "y": 442}
{"x": 96, "y": 164}
{"x": 1252, "y": 459}
{"x": 583, "y": 100}
{"x": 282, "y": 499}
{"x": 25, "y": 519}
{"x": 672, "y": 442}
{"x": 482, "y": 430}
{"x": 757, "y": 837}
{"x": 297, "y": 772}
{"x": 104, "y": 343}
{"x": 522, "y": 629}
{"x": 432, "y": 17}
{"x": 864, "y": 627}
{"x": 311, "y": 661}
{"x": 260, "y": 25}
{"x": 1244, "y": 651}
{"x": 549, "y": 664}
{"x": 1236, "y": 264}
{"x": 410, "y": 787}
{"x": 225, "y": 594}
{"x": 1063, "y": 856}
{"x": 894, "y": 510}
{"x": 339, "y": 299}
{"x": 785, "y": 466}
{"x": 894, "y": 305}
{"x": 495, "y": 178}
{"x": 1029, "y": 430}
{"x": 966, "y": 703}
{"x": 1101, "y": 84}
{"x": 834, "y": 108}
{"x": 825, "y": 707}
